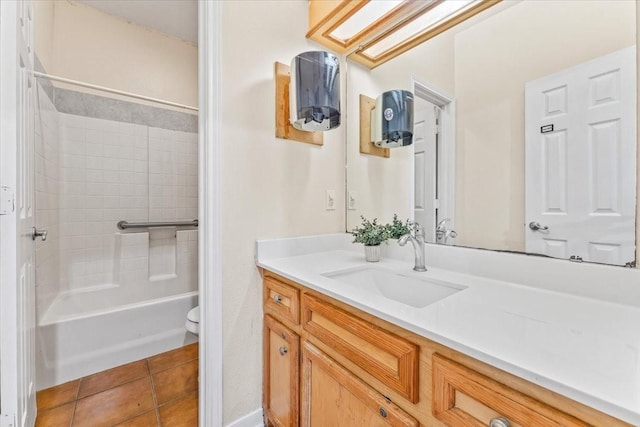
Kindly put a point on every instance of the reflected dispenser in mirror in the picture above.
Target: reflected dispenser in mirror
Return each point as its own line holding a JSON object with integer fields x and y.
{"x": 314, "y": 91}
{"x": 392, "y": 119}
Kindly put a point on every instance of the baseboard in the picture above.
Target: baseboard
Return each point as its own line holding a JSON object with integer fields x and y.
{"x": 254, "y": 419}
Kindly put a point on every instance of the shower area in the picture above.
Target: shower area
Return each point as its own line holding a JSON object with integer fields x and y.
{"x": 117, "y": 193}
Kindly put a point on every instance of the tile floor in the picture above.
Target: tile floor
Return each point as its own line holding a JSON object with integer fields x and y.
{"x": 159, "y": 391}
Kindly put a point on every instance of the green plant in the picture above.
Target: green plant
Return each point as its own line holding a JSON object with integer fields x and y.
{"x": 370, "y": 233}
{"x": 398, "y": 228}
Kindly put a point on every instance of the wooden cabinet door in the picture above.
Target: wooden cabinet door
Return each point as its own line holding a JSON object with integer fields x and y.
{"x": 281, "y": 374}
{"x": 333, "y": 396}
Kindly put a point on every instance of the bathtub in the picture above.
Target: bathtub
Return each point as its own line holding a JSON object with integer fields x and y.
{"x": 84, "y": 332}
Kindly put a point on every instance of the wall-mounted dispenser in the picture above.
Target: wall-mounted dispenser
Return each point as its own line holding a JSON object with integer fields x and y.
{"x": 314, "y": 91}
{"x": 307, "y": 97}
{"x": 392, "y": 119}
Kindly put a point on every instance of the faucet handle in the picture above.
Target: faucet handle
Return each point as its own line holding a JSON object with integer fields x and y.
{"x": 441, "y": 224}
{"x": 418, "y": 229}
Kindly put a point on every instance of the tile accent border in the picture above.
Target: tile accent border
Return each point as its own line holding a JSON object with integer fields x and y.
{"x": 101, "y": 107}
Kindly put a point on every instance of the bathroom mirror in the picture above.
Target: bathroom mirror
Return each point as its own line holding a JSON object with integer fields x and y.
{"x": 524, "y": 134}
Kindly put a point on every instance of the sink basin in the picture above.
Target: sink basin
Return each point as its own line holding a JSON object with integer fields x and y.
{"x": 397, "y": 287}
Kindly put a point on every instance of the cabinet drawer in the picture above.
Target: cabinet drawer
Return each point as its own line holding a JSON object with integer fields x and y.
{"x": 332, "y": 396}
{"x": 282, "y": 299}
{"x": 464, "y": 397}
{"x": 385, "y": 356}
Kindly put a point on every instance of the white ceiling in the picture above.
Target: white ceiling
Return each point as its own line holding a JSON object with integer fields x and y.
{"x": 178, "y": 18}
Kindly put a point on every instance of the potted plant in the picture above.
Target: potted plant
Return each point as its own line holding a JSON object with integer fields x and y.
{"x": 398, "y": 228}
{"x": 371, "y": 234}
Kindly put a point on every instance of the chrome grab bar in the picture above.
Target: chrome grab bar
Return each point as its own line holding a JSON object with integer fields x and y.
{"x": 123, "y": 225}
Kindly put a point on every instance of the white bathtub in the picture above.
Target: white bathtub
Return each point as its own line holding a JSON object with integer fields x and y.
{"x": 79, "y": 335}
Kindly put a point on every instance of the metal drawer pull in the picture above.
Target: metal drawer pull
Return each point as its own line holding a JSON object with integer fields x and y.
{"x": 499, "y": 422}
{"x": 283, "y": 351}
{"x": 277, "y": 299}
{"x": 383, "y": 412}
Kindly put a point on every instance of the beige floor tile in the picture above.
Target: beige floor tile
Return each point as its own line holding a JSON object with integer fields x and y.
{"x": 112, "y": 377}
{"x": 173, "y": 358}
{"x": 181, "y": 412}
{"x": 114, "y": 405}
{"x": 148, "y": 419}
{"x": 175, "y": 382}
{"x": 58, "y": 395}
{"x": 57, "y": 417}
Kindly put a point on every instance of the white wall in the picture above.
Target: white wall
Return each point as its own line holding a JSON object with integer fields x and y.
{"x": 79, "y": 42}
{"x": 43, "y": 31}
{"x": 271, "y": 187}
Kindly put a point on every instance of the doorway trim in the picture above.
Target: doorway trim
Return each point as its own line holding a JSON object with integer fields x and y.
{"x": 447, "y": 153}
{"x": 210, "y": 214}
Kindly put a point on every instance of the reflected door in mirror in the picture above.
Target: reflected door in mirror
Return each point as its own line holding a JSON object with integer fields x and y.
{"x": 580, "y": 161}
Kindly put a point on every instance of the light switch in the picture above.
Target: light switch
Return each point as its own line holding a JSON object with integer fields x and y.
{"x": 330, "y": 202}
{"x": 351, "y": 200}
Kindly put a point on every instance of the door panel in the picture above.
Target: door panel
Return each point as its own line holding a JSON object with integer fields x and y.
{"x": 17, "y": 249}
{"x": 580, "y": 146}
{"x": 424, "y": 134}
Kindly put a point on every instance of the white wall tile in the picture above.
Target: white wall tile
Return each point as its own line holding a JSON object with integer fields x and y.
{"x": 92, "y": 173}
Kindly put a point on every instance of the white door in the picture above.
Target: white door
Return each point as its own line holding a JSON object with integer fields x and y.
{"x": 17, "y": 288}
{"x": 580, "y": 148}
{"x": 425, "y": 170}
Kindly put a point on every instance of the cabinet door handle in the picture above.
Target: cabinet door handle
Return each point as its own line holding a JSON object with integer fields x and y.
{"x": 499, "y": 422}
{"x": 284, "y": 350}
{"x": 383, "y": 412}
{"x": 277, "y": 299}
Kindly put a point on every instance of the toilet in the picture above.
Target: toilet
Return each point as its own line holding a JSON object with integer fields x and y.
{"x": 193, "y": 320}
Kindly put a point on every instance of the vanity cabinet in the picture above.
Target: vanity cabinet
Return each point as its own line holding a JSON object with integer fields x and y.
{"x": 345, "y": 367}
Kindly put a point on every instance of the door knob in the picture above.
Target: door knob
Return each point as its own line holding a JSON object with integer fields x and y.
{"x": 535, "y": 226}
{"x": 35, "y": 233}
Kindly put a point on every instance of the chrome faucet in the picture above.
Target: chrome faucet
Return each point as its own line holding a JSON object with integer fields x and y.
{"x": 417, "y": 239}
{"x": 443, "y": 234}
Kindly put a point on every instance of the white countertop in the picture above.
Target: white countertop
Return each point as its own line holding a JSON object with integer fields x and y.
{"x": 577, "y": 346}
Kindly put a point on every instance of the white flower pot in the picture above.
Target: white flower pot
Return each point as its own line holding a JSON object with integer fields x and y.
{"x": 372, "y": 253}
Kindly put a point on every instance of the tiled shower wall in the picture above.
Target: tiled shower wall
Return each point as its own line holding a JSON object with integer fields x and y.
{"x": 103, "y": 179}
{"x": 92, "y": 173}
{"x": 47, "y": 199}
{"x": 173, "y": 175}
{"x": 114, "y": 171}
